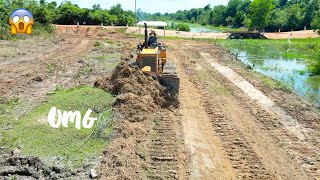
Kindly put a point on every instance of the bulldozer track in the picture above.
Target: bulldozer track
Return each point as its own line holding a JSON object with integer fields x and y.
{"x": 306, "y": 154}
{"x": 164, "y": 160}
{"x": 250, "y": 156}
{"x": 243, "y": 158}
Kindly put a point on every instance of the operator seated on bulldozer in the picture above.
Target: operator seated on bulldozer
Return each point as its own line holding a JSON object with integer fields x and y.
{"x": 153, "y": 40}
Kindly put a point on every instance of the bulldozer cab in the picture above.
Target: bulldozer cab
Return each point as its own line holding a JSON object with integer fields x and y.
{"x": 152, "y": 59}
{"x": 150, "y": 42}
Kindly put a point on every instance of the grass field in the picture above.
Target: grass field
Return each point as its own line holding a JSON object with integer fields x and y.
{"x": 196, "y": 26}
{"x": 34, "y": 136}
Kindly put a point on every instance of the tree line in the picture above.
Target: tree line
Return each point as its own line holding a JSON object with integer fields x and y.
{"x": 47, "y": 13}
{"x": 269, "y": 15}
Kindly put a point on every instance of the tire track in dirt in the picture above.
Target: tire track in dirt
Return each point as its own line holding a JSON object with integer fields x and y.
{"x": 207, "y": 157}
{"x": 253, "y": 150}
{"x": 166, "y": 154}
{"x": 243, "y": 161}
{"x": 301, "y": 142}
{"x": 304, "y": 152}
{"x": 291, "y": 125}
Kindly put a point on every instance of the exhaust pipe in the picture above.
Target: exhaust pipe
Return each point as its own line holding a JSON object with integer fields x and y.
{"x": 145, "y": 35}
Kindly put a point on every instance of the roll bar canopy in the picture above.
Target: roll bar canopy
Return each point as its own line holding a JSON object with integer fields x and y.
{"x": 153, "y": 23}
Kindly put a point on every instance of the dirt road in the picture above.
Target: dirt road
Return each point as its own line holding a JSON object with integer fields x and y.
{"x": 230, "y": 124}
{"x": 229, "y": 128}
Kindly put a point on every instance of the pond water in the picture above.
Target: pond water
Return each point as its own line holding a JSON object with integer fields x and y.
{"x": 283, "y": 62}
{"x": 202, "y": 29}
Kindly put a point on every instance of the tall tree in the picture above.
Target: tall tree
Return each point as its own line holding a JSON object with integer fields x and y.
{"x": 219, "y": 15}
{"x": 282, "y": 3}
{"x": 260, "y": 10}
{"x": 315, "y": 24}
{"x": 207, "y": 7}
{"x": 211, "y": 18}
{"x": 239, "y": 19}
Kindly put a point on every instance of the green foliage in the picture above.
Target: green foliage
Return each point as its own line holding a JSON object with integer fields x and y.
{"x": 218, "y": 14}
{"x": 42, "y": 12}
{"x": 97, "y": 44}
{"x": 295, "y": 17}
{"x": 314, "y": 66}
{"x": 269, "y": 15}
{"x": 183, "y": 27}
{"x": 315, "y": 24}
{"x": 211, "y": 18}
{"x": 66, "y": 13}
{"x": 260, "y": 10}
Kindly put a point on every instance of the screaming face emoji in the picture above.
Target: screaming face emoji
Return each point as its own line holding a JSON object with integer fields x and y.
{"x": 21, "y": 21}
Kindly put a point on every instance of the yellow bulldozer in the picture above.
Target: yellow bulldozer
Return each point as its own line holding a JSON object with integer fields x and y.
{"x": 153, "y": 59}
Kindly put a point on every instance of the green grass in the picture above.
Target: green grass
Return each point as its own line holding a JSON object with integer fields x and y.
{"x": 37, "y": 30}
{"x": 210, "y": 27}
{"x": 298, "y": 48}
{"x": 97, "y": 44}
{"x": 35, "y": 137}
{"x": 85, "y": 70}
{"x": 121, "y": 30}
{"x": 272, "y": 83}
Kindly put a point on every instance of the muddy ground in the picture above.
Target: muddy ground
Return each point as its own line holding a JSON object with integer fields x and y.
{"x": 230, "y": 124}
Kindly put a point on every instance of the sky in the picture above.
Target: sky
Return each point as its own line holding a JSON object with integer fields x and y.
{"x": 151, "y": 6}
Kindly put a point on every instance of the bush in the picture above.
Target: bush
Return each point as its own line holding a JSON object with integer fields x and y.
{"x": 315, "y": 24}
{"x": 314, "y": 65}
{"x": 183, "y": 27}
{"x": 203, "y": 24}
{"x": 97, "y": 44}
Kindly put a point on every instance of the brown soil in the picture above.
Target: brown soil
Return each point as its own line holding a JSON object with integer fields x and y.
{"x": 33, "y": 67}
{"x": 219, "y": 131}
{"x": 249, "y": 141}
{"x": 134, "y": 90}
{"x": 139, "y": 103}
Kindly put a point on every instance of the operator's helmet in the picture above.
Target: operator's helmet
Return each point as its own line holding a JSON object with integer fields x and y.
{"x": 152, "y": 32}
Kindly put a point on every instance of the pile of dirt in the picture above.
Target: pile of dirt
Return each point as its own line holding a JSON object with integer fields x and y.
{"x": 16, "y": 166}
{"x": 23, "y": 167}
{"x": 136, "y": 92}
{"x": 139, "y": 99}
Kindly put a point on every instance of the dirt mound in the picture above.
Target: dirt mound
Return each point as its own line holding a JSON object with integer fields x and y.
{"x": 139, "y": 98}
{"x": 12, "y": 165}
{"x": 136, "y": 91}
{"x": 16, "y": 166}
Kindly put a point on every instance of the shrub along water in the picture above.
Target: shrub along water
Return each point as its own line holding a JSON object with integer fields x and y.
{"x": 182, "y": 27}
{"x": 314, "y": 66}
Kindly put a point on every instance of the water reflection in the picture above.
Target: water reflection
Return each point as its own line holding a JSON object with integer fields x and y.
{"x": 281, "y": 62}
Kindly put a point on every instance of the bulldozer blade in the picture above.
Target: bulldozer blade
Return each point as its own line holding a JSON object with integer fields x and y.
{"x": 170, "y": 78}
{"x": 171, "y": 82}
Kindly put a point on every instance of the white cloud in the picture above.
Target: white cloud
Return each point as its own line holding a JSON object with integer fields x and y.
{"x": 152, "y": 6}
